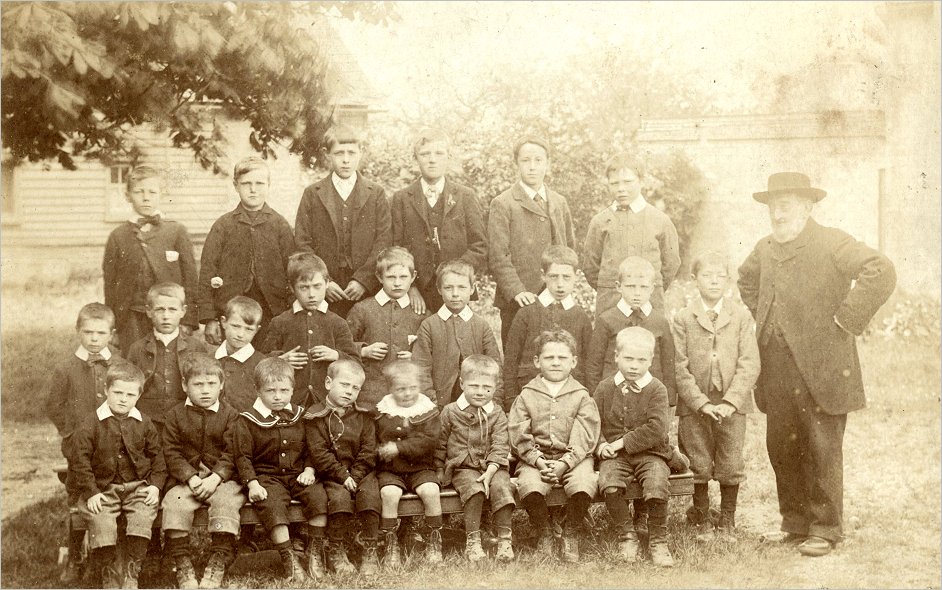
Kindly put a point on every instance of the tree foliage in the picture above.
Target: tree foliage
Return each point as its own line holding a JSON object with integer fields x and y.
{"x": 78, "y": 76}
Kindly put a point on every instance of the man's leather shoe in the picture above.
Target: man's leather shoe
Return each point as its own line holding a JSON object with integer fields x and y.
{"x": 815, "y": 547}
{"x": 782, "y": 537}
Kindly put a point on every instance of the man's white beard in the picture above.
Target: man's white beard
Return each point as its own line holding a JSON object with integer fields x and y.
{"x": 788, "y": 232}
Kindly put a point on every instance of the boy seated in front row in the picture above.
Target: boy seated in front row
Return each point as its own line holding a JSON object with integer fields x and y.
{"x": 385, "y": 326}
{"x": 117, "y": 467}
{"x": 635, "y": 444}
{"x": 236, "y": 354}
{"x": 554, "y": 427}
{"x": 555, "y": 309}
{"x": 717, "y": 367}
{"x": 158, "y": 353}
{"x": 197, "y": 436}
{"x": 309, "y": 336}
{"x": 407, "y": 433}
{"x": 451, "y": 335}
{"x": 342, "y": 444}
{"x": 635, "y": 284}
{"x": 271, "y": 454}
{"x": 474, "y": 455}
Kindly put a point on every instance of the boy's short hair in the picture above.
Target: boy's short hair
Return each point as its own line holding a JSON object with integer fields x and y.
{"x": 458, "y": 267}
{"x": 272, "y": 369}
{"x": 122, "y": 370}
{"x": 480, "y": 364}
{"x": 622, "y": 161}
{"x": 535, "y": 140}
{"x": 559, "y": 335}
{"x": 141, "y": 173}
{"x": 342, "y": 134}
{"x": 634, "y": 334}
{"x": 94, "y": 311}
{"x": 166, "y": 289}
{"x": 708, "y": 258}
{"x": 304, "y": 265}
{"x": 194, "y": 364}
{"x": 428, "y": 135}
{"x": 343, "y": 363}
{"x": 559, "y": 254}
{"x": 633, "y": 264}
{"x": 246, "y": 308}
{"x": 246, "y": 165}
{"x": 399, "y": 367}
{"x": 393, "y": 256}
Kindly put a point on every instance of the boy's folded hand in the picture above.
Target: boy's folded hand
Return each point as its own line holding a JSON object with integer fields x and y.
{"x": 606, "y": 451}
{"x": 354, "y": 291}
{"x": 711, "y": 411}
{"x": 376, "y": 351}
{"x": 322, "y": 353}
{"x": 334, "y": 292}
{"x": 387, "y": 451}
{"x": 306, "y": 477}
{"x": 94, "y": 503}
{"x": 212, "y": 332}
{"x": 151, "y": 495}
{"x": 208, "y": 485}
{"x": 725, "y": 410}
{"x": 295, "y": 358}
{"x": 559, "y": 468}
{"x": 350, "y": 484}
{"x": 257, "y": 492}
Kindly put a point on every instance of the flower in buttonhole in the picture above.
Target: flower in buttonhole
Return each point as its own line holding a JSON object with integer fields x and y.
{"x": 215, "y": 282}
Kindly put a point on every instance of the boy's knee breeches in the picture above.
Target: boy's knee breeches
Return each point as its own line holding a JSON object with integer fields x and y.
{"x": 465, "y": 482}
{"x": 273, "y": 510}
{"x": 651, "y": 471}
{"x": 180, "y": 505}
{"x": 340, "y": 500}
{"x": 714, "y": 449}
{"x": 581, "y": 478}
{"x": 119, "y": 499}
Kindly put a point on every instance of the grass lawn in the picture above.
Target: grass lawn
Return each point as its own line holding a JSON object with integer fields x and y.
{"x": 892, "y": 488}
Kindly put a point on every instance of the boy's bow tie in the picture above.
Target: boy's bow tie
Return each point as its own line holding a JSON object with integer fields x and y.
{"x": 94, "y": 357}
{"x": 148, "y": 220}
{"x": 622, "y": 208}
{"x": 631, "y": 386}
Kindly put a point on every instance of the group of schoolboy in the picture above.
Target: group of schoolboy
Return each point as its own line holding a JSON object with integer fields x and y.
{"x": 374, "y": 377}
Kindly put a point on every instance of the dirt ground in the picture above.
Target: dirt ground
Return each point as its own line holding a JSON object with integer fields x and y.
{"x": 30, "y": 451}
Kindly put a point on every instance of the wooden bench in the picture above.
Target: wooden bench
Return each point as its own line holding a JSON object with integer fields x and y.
{"x": 681, "y": 484}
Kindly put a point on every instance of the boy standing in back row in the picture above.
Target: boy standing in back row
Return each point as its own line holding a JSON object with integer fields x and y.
{"x": 524, "y": 220}
{"x": 344, "y": 219}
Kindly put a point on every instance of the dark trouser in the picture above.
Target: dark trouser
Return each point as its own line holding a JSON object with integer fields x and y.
{"x": 256, "y": 294}
{"x": 507, "y": 312}
{"x": 805, "y": 449}
{"x": 343, "y": 306}
{"x": 131, "y": 326}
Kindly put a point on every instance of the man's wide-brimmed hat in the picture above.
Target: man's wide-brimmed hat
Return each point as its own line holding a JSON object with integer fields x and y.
{"x": 794, "y": 183}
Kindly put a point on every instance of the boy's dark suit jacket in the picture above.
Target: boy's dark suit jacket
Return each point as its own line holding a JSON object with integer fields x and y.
{"x": 239, "y": 251}
{"x": 318, "y": 224}
{"x": 811, "y": 283}
{"x": 143, "y": 354}
{"x": 121, "y": 265}
{"x": 515, "y": 225}
{"x": 462, "y": 234}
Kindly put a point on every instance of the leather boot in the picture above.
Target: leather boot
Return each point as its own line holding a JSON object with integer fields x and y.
{"x": 337, "y": 558}
{"x": 132, "y": 571}
{"x": 290, "y": 566}
{"x": 505, "y": 547}
{"x": 726, "y": 527}
{"x": 186, "y": 575}
{"x": 369, "y": 566}
{"x": 314, "y": 556}
{"x": 111, "y": 575}
{"x": 570, "y": 552}
{"x": 629, "y": 548}
{"x": 433, "y": 551}
{"x": 391, "y": 556}
{"x": 657, "y": 535}
{"x": 546, "y": 544}
{"x": 472, "y": 547}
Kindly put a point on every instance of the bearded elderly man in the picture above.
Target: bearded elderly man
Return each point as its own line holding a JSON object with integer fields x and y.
{"x": 811, "y": 289}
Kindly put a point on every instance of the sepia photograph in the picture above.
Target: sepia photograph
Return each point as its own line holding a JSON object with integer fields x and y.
{"x": 471, "y": 294}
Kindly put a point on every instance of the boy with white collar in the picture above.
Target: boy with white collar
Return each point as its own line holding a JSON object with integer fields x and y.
{"x": 271, "y": 455}
{"x": 236, "y": 354}
{"x": 630, "y": 226}
{"x": 344, "y": 219}
{"x": 555, "y": 309}
{"x": 118, "y": 468}
{"x": 451, "y": 335}
{"x": 717, "y": 367}
{"x": 201, "y": 470}
{"x": 385, "y": 326}
{"x": 634, "y": 444}
{"x": 554, "y": 428}
{"x": 474, "y": 455}
{"x": 158, "y": 353}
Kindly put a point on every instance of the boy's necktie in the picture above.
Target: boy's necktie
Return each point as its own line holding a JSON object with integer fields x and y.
{"x": 631, "y": 386}
{"x": 431, "y": 195}
{"x": 712, "y": 315}
{"x": 636, "y": 316}
{"x": 540, "y": 202}
{"x": 95, "y": 358}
